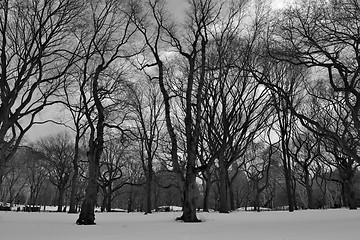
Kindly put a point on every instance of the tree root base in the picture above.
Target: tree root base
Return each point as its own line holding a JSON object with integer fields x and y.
{"x": 84, "y": 222}
{"x": 182, "y": 219}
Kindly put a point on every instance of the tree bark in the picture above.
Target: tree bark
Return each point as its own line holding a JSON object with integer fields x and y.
{"x": 130, "y": 201}
{"x": 207, "y": 193}
{"x": 87, "y": 215}
{"x": 149, "y": 181}
{"x": 108, "y": 199}
{"x": 257, "y": 196}
{"x": 223, "y": 208}
{"x": 148, "y": 191}
{"x": 287, "y": 166}
{"x": 289, "y": 191}
{"x": 74, "y": 180}
{"x": 231, "y": 196}
{"x": 60, "y": 200}
{"x": 104, "y": 200}
{"x": 309, "y": 191}
{"x": 73, "y": 192}
{"x": 2, "y": 171}
{"x": 108, "y": 202}
{"x": 190, "y": 199}
{"x": 349, "y": 195}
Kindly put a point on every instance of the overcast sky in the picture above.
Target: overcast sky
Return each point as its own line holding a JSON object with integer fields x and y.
{"x": 178, "y": 6}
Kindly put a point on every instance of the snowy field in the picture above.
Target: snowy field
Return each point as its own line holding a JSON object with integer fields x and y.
{"x": 301, "y": 225}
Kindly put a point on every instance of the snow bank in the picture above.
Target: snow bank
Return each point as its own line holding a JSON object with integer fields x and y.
{"x": 301, "y": 225}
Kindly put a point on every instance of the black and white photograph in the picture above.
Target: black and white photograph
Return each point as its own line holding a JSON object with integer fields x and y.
{"x": 179, "y": 119}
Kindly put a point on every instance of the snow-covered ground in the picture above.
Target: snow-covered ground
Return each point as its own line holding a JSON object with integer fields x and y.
{"x": 339, "y": 224}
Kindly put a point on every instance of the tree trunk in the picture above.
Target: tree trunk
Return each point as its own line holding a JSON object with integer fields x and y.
{"x": 130, "y": 201}
{"x": 206, "y": 194}
{"x": 2, "y": 173}
{"x": 73, "y": 192}
{"x": 60, "y": 200}
{"x": 108, "y": 202}
{"x": 257, "y": 202}
{"x": 156, "y": 198}
{"x": 231, "y": 196}
{"x": 310, "y": 198}
{"x": 189, "y": 190}
{"x": 349, "y": 195}
{"x": 108, "y": 198}
{"x": 148, "y": 187}
{"x": 257, "y": 196}
{"x": 87, "y": 215}
{"x": 293, "y": 192}
{"x": 343, "y": 195}
{"x": 148, "y": 197}
{"x": 103, "y": 202}
{"x": 309, "y": 191}
{"x": 287, "y": 173}
{"x": 223, "y": 208}
{"x": 189, "y": 208}
{"x": 289, "y": 191}
{"x": 74, "y": 180}
{"x": 11, "y": 197}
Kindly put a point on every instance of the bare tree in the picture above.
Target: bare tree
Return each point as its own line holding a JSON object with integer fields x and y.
{"x": 284, "y": 127}
{"x": 235, "y": 109}
{"x": 345, "y": 172}
{"x": 322, "y": 36}
{"x": 207, "y": 174}
{"x": 104, "y": 38}
{"x": 58, "y": 152}
{"x": 112, "y": 166}
{"x": 73, "y": 103}
{"x": 36, "y": 175}
{"x": 36, "y": 50}
{"x": 192, "y": 48}
{"x": 15, "y": 178}
{"x": 147, "y": 106}
{"x": 134, "y": 175}
{"x": 257, "y": 170}
{"x": 306, "y": 150}
{"x": 239, "y": 187}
